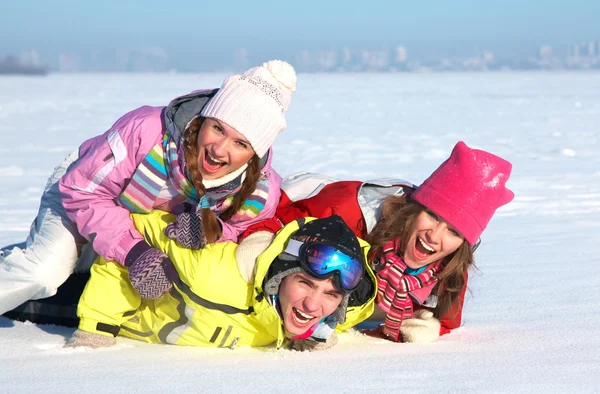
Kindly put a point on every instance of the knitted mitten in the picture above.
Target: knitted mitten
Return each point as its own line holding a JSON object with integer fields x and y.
{"x": 186, "y": 230}
{"x": 310, "y": 345}
{"x": 248, "y": 250}
{"x": 90, "y": 339}
{"x": 151, "y": 272}
{"x": 422, "y": 328}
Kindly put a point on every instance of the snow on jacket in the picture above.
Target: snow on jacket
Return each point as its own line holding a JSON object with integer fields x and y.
{"x": 358, "y": 203}
{"x": 107, "y": 162}
{"x": 210, "y": 304}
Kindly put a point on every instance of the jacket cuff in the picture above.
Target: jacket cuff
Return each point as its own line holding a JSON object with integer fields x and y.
{"x": 124, "y": 246}
{"x": 135, "y": 252}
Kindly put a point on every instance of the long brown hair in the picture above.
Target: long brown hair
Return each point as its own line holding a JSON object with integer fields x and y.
{"x": 210, "y": 225}
{"x": 398, "y": 216}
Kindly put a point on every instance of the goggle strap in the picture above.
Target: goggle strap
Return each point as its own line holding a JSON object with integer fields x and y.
{"x": 293, "y": 247}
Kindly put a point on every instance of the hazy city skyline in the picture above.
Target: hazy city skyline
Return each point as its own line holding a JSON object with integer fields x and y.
{"x": 577, "y": 56}
{"x": 193, "y": 27}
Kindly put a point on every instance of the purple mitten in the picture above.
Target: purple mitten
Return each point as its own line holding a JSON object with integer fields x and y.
{"x": 186, "y": 230}
{"x": 151, "y": 272}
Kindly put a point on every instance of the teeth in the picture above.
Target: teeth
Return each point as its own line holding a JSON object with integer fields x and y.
{"x": 427, "y": 247}
{"x": 213, "y": 159}
{"x": 304, "y": 315}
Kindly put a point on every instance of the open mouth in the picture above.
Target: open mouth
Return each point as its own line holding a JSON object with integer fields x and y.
{"x": 212, "y": 164}
{"x": 422, "y": 250}
{"x": 301, "y": 317}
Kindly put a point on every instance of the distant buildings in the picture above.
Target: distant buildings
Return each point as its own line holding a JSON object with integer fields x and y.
{"x": 579, "y": 57}
{"x": 145, "y": 59}
{"x": 346, "y": 59}
{"x": 12, "y": 65}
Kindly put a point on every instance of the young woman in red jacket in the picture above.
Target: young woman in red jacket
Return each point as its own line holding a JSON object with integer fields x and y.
{"x": 422, "y": 237}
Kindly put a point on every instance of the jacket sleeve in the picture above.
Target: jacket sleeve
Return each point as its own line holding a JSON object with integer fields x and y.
{"x": 199, "y": 268}
{"x": 274, "y": 224}
{"x": 453, "y": 318}
{"x": 106, "y": 164}
{"x": 335, "y": 198}
{"x": 107, "y": 297}
{"x": 153, "y": 225}
{"x": 233, "y": 231}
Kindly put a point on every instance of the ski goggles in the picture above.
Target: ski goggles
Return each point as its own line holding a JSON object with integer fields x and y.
{"x": 324, "y": 261}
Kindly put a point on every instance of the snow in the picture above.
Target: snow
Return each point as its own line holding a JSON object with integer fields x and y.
{"x": 531, "y": 322}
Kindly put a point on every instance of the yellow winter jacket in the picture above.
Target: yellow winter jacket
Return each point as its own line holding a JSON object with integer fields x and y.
{"x": 211, "y": 305}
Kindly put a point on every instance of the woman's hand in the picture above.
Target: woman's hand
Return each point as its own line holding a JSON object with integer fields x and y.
{"x": 422, "y": 328}
{"x": 151, "y": 272}
{"x": 186, "y": 230}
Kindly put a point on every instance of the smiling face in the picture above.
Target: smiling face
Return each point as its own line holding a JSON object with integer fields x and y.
{"x": 431, "y": 240}
{"x": 305, "y": 301}
{"x": 221, "y": 149}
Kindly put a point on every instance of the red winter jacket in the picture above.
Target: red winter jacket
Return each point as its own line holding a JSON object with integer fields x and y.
{"x": 340, "y": 198}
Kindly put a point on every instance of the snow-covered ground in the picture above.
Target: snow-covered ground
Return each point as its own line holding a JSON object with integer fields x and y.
{"x": 532, "y": 321}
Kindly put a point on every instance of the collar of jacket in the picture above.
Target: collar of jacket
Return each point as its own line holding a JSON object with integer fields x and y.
{"x": 264, "y": 311}
{"x": 371, "y": 195}
{"x": 360, "y": 308}
{"x": 354, "y": 314}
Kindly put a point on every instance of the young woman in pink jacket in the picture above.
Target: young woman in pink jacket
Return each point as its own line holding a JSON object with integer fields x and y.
{"x": 206, "y": 157}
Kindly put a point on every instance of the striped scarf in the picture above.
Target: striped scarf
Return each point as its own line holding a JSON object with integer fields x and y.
{"x": 165, "y": 161}
{"x": 150, "y": 177}
{"x": 251, "y": 207}
{"x": 393, "y": 288}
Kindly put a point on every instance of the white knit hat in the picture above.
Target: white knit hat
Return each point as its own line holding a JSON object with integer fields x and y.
{"x": 255, "y": 102}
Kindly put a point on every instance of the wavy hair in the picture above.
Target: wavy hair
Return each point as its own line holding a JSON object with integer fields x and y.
{"x": 398, "y": 215}
{"x": 210, "y": 225}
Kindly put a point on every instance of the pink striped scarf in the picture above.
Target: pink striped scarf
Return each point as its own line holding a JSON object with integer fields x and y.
{"x": 393, "y": 287}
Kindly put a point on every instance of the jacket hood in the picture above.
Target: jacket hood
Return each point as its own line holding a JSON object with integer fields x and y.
{"x": 362, "y": 300}
{"x": 277, "y": 246}
{"x": 181, "y": 110}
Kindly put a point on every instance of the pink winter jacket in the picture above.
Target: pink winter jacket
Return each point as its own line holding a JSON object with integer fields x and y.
{"x": 106, "y": 164}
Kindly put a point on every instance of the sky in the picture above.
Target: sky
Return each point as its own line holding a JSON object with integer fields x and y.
{"x": 531, "y": 322}
{"x": 200, "y": 29}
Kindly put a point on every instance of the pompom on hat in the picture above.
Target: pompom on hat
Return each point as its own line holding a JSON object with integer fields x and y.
{"x": 255, "y": 103}
{"x": 467, "y": 189}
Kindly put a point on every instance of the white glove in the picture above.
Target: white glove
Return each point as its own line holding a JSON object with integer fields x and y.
{"x": 309, "y": 345}
{"x": 422, "y": 328}
{"x": 248, "y": 250}
{"x": 89, "y": 339}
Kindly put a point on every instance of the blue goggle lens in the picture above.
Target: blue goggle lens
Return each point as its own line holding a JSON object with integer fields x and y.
{"x": 324, "y": 260}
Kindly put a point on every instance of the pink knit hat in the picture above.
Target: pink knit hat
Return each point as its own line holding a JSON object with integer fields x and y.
{"x": 467, "y": 189}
